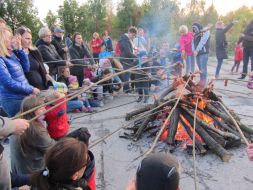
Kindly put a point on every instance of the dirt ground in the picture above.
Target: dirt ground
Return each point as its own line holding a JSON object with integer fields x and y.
{"x": 115, "y": 157}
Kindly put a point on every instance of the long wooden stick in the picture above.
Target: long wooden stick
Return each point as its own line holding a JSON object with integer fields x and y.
{"x": 193, "y": 145}
{"x": 236, "y": 124}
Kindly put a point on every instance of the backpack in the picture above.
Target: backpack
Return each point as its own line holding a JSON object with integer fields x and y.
{"x": 117, "y": 49}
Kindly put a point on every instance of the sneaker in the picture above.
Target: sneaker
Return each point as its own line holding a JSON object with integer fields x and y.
{"x": 84, "y": 109}
{"x": 90, "y": 109}
{"x": 242, "y": 77}
{"x": 77, "y": 111}
{"x": 101, "y": 103}
{"x": 139, "y": 99}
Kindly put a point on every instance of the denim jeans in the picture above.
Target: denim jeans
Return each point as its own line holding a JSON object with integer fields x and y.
{"x": 126, "y": 77}
{"x": 73, "y": 105}
{"x": 202, "y": 65}
{"x": 190, "y": 64}
{"x": 217, "y": 72}
{"x": 247, "y": 53}
{"x": 11, "y": 106}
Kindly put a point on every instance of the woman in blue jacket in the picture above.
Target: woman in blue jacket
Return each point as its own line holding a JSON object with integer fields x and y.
{"x": 13, "y": 63}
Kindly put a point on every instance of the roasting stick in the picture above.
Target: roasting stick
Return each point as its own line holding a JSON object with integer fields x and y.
{"x": 235, "y": 123}
{"x": 193, "y": 145}
{"x": 167, "y": 119}
{"x": 77, "y": 93}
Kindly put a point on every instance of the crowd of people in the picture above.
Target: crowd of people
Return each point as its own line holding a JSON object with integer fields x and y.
{"x": 37, "y": 81}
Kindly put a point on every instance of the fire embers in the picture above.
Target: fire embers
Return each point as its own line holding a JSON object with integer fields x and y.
{"x": 215, "y": 130}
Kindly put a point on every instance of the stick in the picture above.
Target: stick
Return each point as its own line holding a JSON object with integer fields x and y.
{"x": 193, "y": 145}
{"x": 236, "y": 125}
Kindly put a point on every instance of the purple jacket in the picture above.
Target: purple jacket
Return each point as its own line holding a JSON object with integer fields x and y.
{"x": 186, "y": 43}
{"x": 13, "y": 83}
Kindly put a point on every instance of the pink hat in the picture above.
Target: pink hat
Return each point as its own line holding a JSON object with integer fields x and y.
{"x": 72, "y": 78}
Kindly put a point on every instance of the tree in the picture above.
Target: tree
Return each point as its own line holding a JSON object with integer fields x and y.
{"x": 20, "y": 12}
{"x": 97, "y": 15}
{"x": 50, "y": 19}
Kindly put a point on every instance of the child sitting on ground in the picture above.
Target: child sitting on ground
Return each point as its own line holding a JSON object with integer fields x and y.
{"x": 75, "y": 104}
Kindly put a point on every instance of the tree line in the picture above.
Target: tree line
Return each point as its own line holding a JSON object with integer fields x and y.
{"x": 160, "y": 18}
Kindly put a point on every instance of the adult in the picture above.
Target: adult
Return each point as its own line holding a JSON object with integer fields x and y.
{"x": 96, "y": 44}
{"x": 107, "y": 42}
{"x": 140, "y": 42}
{"x": 36, "y": 76}
{"x": 78, "y": 52}
{"x": 185, "y": 40}
{"x": 128, "y": 58}
{"x": 159, "y": 171}
{"x": 48, "y": 51}
{"x": 247, "y": 43}
{"x": 57, "y": 41}
{"x": 200, "y": 47}
{"x": 73, "y": 155}
{"x": 8, "y": 127}
{"x": 13, "y": 63}
{"x": 68, "y": 40}
{"x": 221, "y": 44}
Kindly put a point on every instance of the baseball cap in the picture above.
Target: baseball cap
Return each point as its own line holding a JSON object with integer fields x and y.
{"x": 58, "y": 29}
{"x": 159, "y": 171}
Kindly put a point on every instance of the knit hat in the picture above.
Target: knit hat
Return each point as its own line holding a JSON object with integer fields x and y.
{"x": 196, "y": 28}
{"x": 158, "y": 171}
{"x": 72, "y": 78}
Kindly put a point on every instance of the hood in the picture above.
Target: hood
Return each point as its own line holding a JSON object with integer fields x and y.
{"x": 196, "y": 28}
{"x": 124, "y": 37}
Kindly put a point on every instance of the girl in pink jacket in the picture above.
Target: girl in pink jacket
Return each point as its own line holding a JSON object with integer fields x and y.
{"x": 186, "y": 48}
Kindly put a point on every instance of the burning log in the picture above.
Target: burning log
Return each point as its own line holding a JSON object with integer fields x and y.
{"x": 214, "y": 127}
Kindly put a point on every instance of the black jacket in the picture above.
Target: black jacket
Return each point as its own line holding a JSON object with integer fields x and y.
{"x": 126, "y": 49}
{"x": 49, "y": 53}
{"x": 79, "y": 52}
{"x": 58, "y": 44}
{"x": 248, "y": 38}
{"x": 37, "y": 73}
{"x": 221, "y": 42}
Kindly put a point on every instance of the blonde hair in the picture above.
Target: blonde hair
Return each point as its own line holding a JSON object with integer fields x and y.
{"x": 183, "y": 29}
{"x": 3, "y": 37}
{"x": 95, "y": 35}
{"x": 43, "y": 32}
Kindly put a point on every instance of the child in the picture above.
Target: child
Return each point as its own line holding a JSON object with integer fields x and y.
{"x": 163, "y": 53}
{"x": 250, "y": 83}
{"x": 238, "y": 55}
{"x": 177, "y": 60}
{"x": 159, "y": 171}
{"x": 83, "y": 135}
{"x": 65, "y": 165}
{"x": 57, "y": 118}
{"x": 72, "y": 105}
{"x": 143, "y": 76}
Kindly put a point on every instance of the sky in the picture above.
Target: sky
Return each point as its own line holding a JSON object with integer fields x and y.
{"x": 222, "y": 6}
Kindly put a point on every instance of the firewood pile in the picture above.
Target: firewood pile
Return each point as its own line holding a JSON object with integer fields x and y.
{"x": 215, "y": 130}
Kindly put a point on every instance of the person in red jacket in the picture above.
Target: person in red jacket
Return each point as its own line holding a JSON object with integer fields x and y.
{"x": 96, "y": 44}
{"x": 238, "y": 56}
{"x": 57, "y": 118}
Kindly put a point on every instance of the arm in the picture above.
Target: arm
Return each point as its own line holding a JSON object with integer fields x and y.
{"x": 127, "y": 50}
{"x": 23, "y": 58}
{"x": 43, "y": 141}
{"x": 75, "y": 55}
{"x": 7, "y": 127}
{"x": 48, "y": 57}
{"x": 228, "y": 27}
{"x": 12, "y": 85}
{"x": 248, "y": 38}
{"x": 88, "y": 55}
{"x": 203, "y": 40}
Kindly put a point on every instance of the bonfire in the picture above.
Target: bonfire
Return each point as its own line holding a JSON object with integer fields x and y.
{"x": 215, "y": 129}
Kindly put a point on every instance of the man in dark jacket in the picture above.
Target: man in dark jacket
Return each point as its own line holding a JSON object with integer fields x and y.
{"x": 200, "y": 48}
{"x": 57, "y": 41}
{"x": 78, "y": 52}
{"x": 221, "y": 44}
{"x": 127, "y": 51}
{"x": 247, "y": 43}
{"x": 48, "y": 51}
